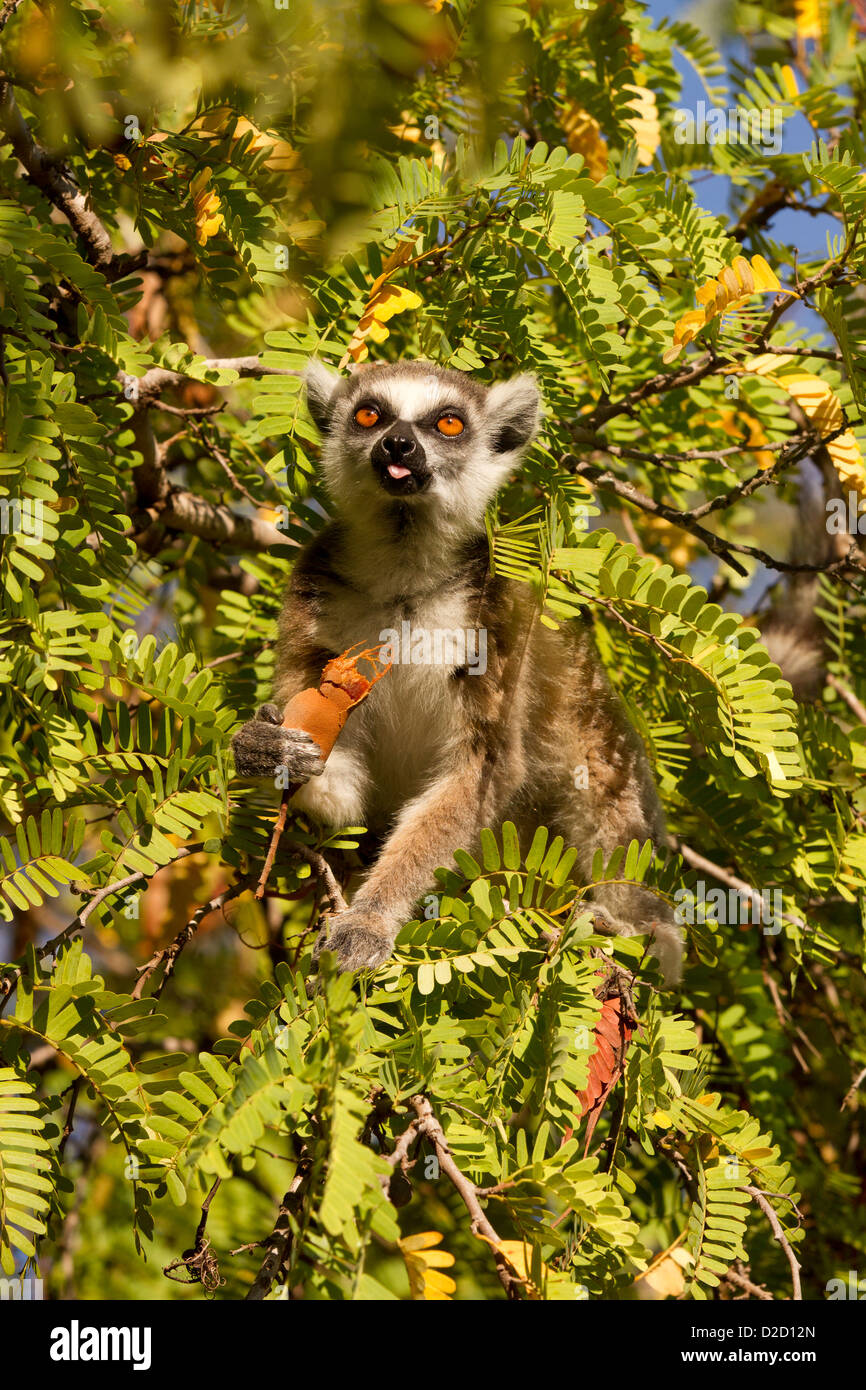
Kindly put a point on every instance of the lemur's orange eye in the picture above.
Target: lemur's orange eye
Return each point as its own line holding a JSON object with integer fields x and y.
{"x": 367, "y": 416}
{"x": 450, "y": 425}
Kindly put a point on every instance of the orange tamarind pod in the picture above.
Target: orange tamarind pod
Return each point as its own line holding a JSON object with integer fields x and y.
{"x": 322, "y": 711}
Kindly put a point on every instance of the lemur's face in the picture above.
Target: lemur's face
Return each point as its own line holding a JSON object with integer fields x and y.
{"x": 420, "y": 434}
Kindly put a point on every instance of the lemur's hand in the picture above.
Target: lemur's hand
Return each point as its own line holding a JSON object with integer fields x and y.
{"x": 360, "y": 938}
{"x": 263, "y": 746}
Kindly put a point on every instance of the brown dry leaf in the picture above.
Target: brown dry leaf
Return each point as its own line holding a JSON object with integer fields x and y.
{"x": 612, "y": 1036}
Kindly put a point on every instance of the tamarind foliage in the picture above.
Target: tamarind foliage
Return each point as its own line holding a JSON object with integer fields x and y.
{"x": 195, "y": 198}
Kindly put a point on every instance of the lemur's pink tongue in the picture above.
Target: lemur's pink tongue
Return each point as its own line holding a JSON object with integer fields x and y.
{"x": 396, "y": 470}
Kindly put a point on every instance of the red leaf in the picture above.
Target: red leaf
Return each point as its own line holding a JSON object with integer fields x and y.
{"x": 612, "y": 1036}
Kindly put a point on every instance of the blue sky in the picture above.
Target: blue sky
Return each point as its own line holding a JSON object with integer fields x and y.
{"x": 807, "y": 233}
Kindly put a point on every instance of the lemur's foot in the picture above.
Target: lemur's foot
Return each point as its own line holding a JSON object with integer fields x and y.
{"x": 359, "y": 938}
{"x": 666, "y": 942}
{"x": 262, "y": 747}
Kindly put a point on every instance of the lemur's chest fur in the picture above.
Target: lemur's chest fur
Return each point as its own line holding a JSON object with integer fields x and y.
{"x": 408, "y": 724}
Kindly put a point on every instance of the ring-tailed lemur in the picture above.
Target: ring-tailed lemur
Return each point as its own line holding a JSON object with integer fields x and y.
{"x": 412, "y": 455}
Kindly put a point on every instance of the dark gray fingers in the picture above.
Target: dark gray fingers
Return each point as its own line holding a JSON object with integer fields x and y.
{"x": 262, "y": 747}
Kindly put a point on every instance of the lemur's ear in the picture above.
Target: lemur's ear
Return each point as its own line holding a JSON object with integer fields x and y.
{"x": 514, "y": 409}
{"x": 321, "y": 384}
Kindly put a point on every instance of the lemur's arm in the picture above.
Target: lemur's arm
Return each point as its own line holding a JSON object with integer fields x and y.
{"x": 428, "y": 830}
{"x": 262, "y": 746}
{"x": 483, "y": 767}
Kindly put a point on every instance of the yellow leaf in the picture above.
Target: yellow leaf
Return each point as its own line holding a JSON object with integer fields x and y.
{"x": 423, "y": 1265}
{"x": 680, "y": 548}
{"x": 822, "y": 407}
{"x": 583, "y": 136}
{"x": 665, "y": 1277}
{"x": 200, "y": 180}
{"x": 765, "y": 277}
{"x": 735, "y": 285}
{"x": 407, "y": 130}
{"x": 709, "y": 1098}
{"x": 808, "y": 17}
{"x": 384, "y": 302}
{"x": 208, "y": 218}
{"x": 789, "y": 82}
{"x": 516, "y": 1253}
{"x": 645, "y": 123}
{"x": 662, "y": 1119}
{"x": 738, "y": 424}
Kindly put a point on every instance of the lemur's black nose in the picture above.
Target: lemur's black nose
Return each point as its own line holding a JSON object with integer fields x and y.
{"x": 398, "y": 447}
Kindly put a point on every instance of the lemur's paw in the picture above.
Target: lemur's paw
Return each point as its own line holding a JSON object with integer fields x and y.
{"x": 262, "y": 747}
{"x": 666, "y": 942}
{"x": 360, "y": 940}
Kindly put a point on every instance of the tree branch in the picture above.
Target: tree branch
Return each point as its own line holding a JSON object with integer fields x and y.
{"x": 856, "y": 706}
{"x": 428, "y": 1126}
{"x": 599, "y": 477}
{"x": 212, "y": 521}
{"x": 707, "y": 866}
{"x": 279, "y": 1243}
{"x": 168, "y": 956}
{"x": 53, "y": 179}
{"x": 150, "y": 386}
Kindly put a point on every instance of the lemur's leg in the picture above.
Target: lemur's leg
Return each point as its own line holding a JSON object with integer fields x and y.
{"x": 427, "y": 831}
{"x": 612, "y": 802}
{"x": 630, "y": 910}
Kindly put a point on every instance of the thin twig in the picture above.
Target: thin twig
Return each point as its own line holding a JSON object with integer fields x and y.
{"x": 69, "y": 1122}
{"x": 276, "y": 835}
{"x": 776, "y": 1227}
{"x": 279, "y": 1243}
{"x": 325, "y": 873}
{"x": 853, "y": 1088}
{"x": 856, "y": 706}
{"x": 8, "y": 981}
{"x": 169, "y": 955}
{"x": 736, "y": 1277}
{"x": 708, "y": 866}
